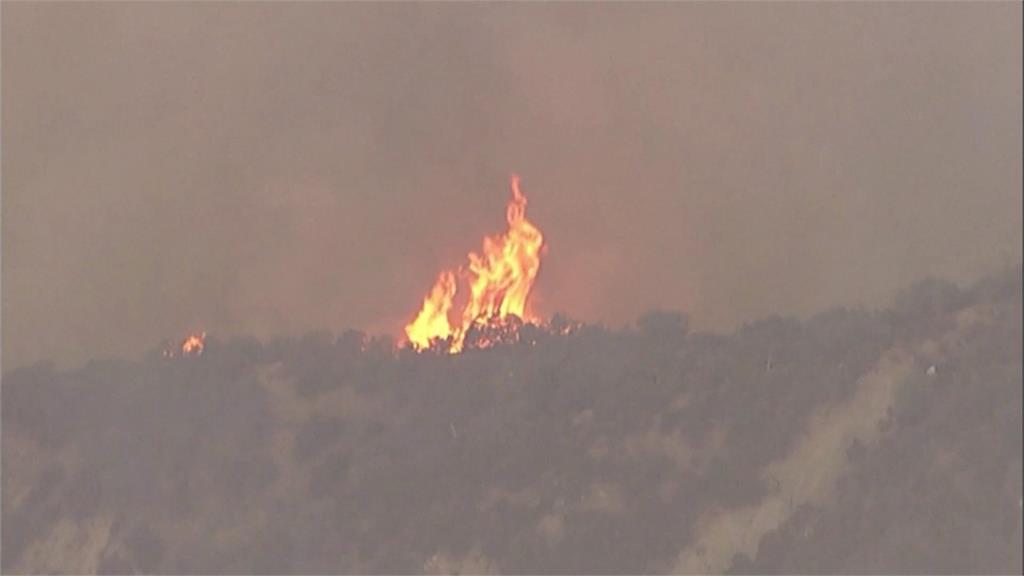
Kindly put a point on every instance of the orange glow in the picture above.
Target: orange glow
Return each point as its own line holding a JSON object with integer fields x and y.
{"x": 499, "y": 281}
{"x": 193, "y": 345}
{"x": 432, "y": 321}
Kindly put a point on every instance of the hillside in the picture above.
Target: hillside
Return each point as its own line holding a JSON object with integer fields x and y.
{"x": 852, "y": 441}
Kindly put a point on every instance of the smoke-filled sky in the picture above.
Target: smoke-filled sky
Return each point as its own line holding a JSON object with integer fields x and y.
{"x": 272, "y": 168}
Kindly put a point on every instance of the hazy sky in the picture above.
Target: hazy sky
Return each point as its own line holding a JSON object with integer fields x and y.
{"x": 277, "y": 167}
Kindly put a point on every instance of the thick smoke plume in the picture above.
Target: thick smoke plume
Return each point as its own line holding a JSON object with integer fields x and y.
{"x": 854, "y": 441}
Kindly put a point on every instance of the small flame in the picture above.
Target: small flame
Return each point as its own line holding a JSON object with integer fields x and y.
{"x": 432, "y": 321}
{"x": 194, "y": 344}
{"x": 499, "y": 279}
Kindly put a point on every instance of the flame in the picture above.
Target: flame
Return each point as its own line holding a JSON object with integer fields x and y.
{"x": 499, "y": 280}
{"x": 194, "y": 344}
{"x": 432, "y": 321}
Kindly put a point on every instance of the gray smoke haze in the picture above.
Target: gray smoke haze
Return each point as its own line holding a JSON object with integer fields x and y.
{"x": 275, "y": 168}
{"x": 788, "y": 236}
{"x": 850, "y": 442}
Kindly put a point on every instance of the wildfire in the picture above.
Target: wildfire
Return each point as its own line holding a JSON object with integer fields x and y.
{"x": 499, "y": 281}
{"x": 193, "y": 345}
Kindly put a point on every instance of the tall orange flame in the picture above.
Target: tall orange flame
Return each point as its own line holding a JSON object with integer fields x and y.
{"x": 499, "y": 279}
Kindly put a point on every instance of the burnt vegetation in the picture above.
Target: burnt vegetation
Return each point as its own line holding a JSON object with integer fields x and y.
{"x": 560, "y": 449}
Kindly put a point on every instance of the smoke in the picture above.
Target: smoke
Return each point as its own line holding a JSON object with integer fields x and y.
{"x": 275, "y": 169}
{"x": 270, "y": 173}
{"x": 852, "y": 441}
